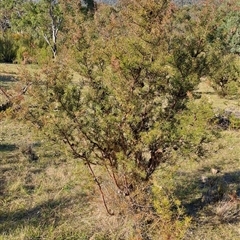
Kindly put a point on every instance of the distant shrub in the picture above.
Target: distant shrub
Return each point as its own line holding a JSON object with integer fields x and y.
{"x": 8, "y": 48}
{"x": 225, "y": 74}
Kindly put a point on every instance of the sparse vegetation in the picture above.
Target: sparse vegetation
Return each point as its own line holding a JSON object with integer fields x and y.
{"x": 119, "y": 122}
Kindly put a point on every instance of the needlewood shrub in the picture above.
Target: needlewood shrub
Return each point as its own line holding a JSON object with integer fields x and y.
{"x": 131, "y": 109}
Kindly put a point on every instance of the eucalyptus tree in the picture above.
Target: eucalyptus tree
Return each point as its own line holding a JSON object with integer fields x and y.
{"x": 45, "y": 19}
{"x": 8, "y": 9}
{"x": 8, "y": 45}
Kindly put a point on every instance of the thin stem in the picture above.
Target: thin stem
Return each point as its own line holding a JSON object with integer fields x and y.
{"x": 100, "y": 189}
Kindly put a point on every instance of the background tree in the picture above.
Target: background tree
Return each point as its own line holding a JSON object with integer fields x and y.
{"x": 223, "y": 46}
{"x": 35, "y": 20}
{"x": 45, "y": 19}
{"x": 8, "y": 39}
{"x": 32, "y": 23}
{"x": 91, "y": 4}
{"x": 200, "y": 38}
{"x": 9, "y": 9}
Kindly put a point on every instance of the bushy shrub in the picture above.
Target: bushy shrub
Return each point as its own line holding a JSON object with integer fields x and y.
{"x": 225, "y": 74}
{"x": 8, "y": 48}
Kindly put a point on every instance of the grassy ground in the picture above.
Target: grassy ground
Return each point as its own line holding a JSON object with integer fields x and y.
{"x": 45, "y": 194}
{"x": 207, "y": 193}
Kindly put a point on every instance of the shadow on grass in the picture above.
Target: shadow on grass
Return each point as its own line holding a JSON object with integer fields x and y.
{"x": 196, "y": 194}
{"x": 7, "y": 147}
{"x": 200, "y": 93}
{"x": 7, "y": 78}
{"x": 39, "y": 215}
{"x": 2, "y": 185}
{"x": 44, "y": 215}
